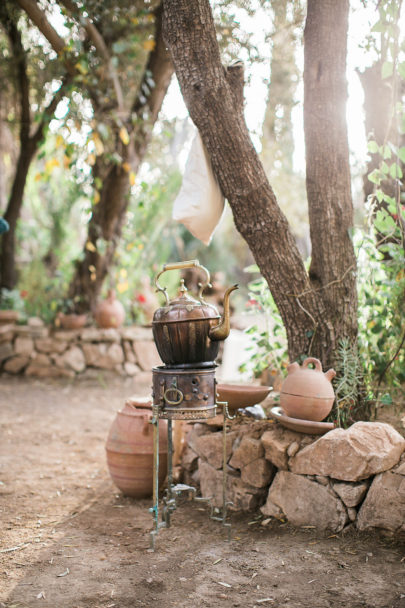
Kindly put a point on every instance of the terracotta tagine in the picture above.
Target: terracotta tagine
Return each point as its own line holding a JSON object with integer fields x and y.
{"x": 71, "y": 321}
{"x": 188, "y": 330}
{"x": 129, "y": 449}
{"x": 109, "y": 312}
{"x": 306, "y": 393}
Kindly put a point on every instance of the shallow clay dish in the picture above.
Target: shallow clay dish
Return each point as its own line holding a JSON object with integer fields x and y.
{"x": 301, "y": 426}
{"x": 242, "y": 395}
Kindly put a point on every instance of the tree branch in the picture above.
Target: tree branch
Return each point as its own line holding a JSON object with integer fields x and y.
{"x": 101, "y": 47}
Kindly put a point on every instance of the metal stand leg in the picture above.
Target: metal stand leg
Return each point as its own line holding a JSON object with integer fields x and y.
{"x": 155, "y": 508}
{"x": 173, "y": 491}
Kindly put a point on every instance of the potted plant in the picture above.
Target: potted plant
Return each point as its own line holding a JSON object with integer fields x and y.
{"x": 11, "y": 305}
{"x": 67, "y": 317}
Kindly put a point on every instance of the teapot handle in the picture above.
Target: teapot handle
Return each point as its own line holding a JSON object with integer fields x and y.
{"x": 180, "y": 266}
{"x": 316, "y": 362}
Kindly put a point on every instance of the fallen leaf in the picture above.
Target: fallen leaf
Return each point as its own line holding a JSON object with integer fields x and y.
{"x": 65, "y": 573}
{"x": 41, "y": 596}
{"x": 217, "y": 561}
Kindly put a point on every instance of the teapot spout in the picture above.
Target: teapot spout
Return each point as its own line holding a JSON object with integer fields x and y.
{"x": 221, "y": 331}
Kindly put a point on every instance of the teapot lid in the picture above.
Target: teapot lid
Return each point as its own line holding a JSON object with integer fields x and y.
{"x": 185, "y": 308}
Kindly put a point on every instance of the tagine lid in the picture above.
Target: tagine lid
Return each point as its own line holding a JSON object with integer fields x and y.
{"x": 304, "y": 381}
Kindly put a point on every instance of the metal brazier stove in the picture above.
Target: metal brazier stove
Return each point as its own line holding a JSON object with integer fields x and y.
{"x": 187, "y": 333}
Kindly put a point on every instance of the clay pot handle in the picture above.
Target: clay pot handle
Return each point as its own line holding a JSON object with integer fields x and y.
{"x": 316, "y": 362}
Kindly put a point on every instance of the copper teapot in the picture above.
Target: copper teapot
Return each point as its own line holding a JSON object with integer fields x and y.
{"x": 188, "y": 330}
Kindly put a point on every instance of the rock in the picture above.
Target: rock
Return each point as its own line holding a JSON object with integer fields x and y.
{"x": 6, "y": 351}
{"x": 40, "y": 359}
{"x": 128, "y": 351}
{"x": 130, "y": 368}
{"x": 189, "y": 459}
{"x": 276, "y": 442}
{"x": 40, "y": 371}
{"x": 103, "y": 355}
{"x": 243, "y": 496}
{"x": 66, "y": 335}
{"x": 400, "y": 469}
{"x": 50, "y": 345}
{"x": 74, "y": 359}
{"x": 35, "y": 322}
{"x": 209, "y": 447}
{"x": 305, "y": 502}
{"x": 384, "y": 505}
{"x": 293, "y": 449}
{"x": 7, "y": 332}
{"x": 324, "y": 481}
{"x": 94, "y": 334}
{"x": 16, "y": 364}
{"x": 363, "y": 450}
{"x": 269, "y": 509}
{"x": 136, "y": 333}
{"x": 147, "y": 355}
{"x": 24, "y": 346}
{"x": 248, "y": 450}
{"x": 352, "y": 513}
{"x": 351, "y": 493}
{"x": 33, "y": 330}
{"x": 258, "y": 473}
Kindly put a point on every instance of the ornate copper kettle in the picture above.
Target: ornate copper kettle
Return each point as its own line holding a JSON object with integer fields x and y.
{"x": 188, "y": 330}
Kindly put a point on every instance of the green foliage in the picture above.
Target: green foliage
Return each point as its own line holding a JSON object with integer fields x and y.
{"x": 269, "y": 348}
{"x": 348, "y": 385}
{"x": 11, "y": 299}
{"x": 381, "y": 289}
{"x": 42, "y": 293}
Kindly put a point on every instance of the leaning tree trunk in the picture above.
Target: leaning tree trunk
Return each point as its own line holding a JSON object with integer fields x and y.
{"x": 29, "y": 144}
{"x": 109, "y": 213}
{"x": 214, "y": 96}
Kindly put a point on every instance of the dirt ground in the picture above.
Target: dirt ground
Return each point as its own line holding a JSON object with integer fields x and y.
{"x": 69, "y": 539}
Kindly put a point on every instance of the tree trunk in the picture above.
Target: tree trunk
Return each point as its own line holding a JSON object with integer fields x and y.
{"x": 333, "y": 263}
{"x": 109, "y": 213}
{"x": 213, "y": 96}
{"x": 29, "y": 144}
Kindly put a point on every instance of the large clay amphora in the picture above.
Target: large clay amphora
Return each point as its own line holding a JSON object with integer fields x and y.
{"x": 129, "y": 449}
{"x": 307, "y": 393}
{"x": 109, "y": 312}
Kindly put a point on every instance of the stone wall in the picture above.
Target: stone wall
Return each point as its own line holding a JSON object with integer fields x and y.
{"x": 37, "y": 350}
{"x": 346, "y": 477}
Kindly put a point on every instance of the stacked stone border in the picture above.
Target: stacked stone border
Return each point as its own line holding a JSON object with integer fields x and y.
{"x": 40, "y": 351}
{"x": 353, "y": 477}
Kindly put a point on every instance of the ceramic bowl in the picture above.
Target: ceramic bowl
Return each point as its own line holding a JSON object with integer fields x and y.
{"x": 242, "y": 395}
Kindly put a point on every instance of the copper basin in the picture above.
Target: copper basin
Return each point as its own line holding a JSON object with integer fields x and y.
{"x": 242, "y": 395}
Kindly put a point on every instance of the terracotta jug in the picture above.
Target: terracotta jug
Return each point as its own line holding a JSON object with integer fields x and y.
{"x": 307, "y": 393}
{"x": 109, "y": 312}
{"x": 129, "y": 449}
